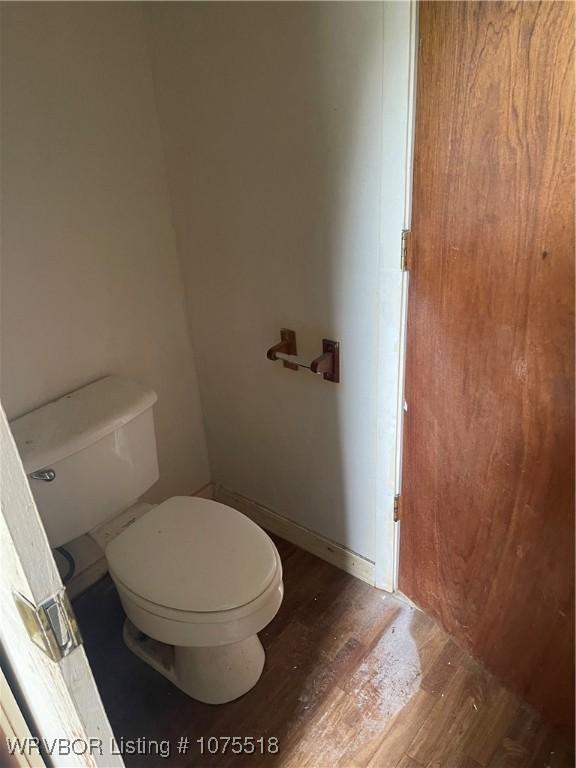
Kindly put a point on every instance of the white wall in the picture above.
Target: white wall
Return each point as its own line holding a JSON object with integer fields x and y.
{"x": 90, "y": 277}
{"x": 284, "y": 128}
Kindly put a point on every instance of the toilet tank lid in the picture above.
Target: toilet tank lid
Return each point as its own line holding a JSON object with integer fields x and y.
{"x": 78, "y": 419}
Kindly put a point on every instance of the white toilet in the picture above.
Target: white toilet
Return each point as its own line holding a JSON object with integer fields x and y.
{"x": 197, "y": 579}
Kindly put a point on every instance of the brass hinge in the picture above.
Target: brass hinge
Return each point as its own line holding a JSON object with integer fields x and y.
{"x": 51, "y": 625}
{"x": 404, "y": 250}
{"x": 397, "y": 507}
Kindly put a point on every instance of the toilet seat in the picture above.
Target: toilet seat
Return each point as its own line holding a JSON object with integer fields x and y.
{"x": 190, "y": 556}
{"x": 203, "y": 617}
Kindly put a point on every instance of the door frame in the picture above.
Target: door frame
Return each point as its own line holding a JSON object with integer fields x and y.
{"x": 400, "y": 35}
{"x": 61, "y": 697}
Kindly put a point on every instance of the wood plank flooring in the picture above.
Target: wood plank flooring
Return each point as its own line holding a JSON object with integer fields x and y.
{"x": 354, "y": 678}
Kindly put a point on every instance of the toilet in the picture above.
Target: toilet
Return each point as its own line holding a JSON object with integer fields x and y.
{"x": 203, "y": 579}
{"x": 197, "y": 579}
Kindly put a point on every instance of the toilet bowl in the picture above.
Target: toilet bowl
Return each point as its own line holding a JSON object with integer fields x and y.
{"x": 197, "y": 580}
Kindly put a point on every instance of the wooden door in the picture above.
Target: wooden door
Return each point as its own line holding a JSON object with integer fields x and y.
{"x": 487, "y": 534}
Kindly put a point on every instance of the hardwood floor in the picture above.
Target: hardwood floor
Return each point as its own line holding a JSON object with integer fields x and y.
{"x": 353, "y": 678}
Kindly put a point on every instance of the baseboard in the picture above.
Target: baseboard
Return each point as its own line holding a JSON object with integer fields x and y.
{"x": 281, "y": 526}
{"x": 296, "y": 534}
{"x": 86, "y": 578}
{"x": 206, "y": 492}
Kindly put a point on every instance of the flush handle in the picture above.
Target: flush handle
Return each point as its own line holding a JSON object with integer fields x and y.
{"x": 44, "y": 474}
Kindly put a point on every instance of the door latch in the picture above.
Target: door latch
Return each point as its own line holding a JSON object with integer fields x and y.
{"x": 51, "y": 625}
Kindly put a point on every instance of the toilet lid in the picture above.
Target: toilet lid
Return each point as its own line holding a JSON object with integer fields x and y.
{"x": 193, "y": 554}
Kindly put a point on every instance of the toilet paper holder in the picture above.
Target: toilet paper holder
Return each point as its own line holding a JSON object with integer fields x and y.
{"x": 326, "y": 365}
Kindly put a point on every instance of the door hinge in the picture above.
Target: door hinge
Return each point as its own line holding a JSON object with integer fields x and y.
{"x": 397, "y": 507}
{"x": 404, "y": 250}
{"x": 51, "y": 625}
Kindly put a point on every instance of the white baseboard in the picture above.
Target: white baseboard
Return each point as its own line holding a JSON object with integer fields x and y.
{"x": 302, "y": 537}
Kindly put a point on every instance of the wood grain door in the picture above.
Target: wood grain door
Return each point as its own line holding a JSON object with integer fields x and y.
{"x": 487, "y": 531}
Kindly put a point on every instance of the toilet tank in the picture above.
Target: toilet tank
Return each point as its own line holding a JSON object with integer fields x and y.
{"x": 100, "y": 444}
